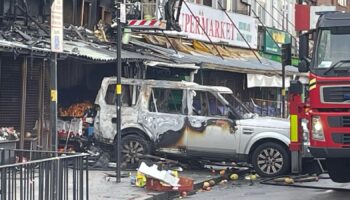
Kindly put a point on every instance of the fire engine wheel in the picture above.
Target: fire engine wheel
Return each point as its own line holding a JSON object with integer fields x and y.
{"x": 271, "y": 159}
{"x": 132, "y": 149}
{"x": 338, "y": 169}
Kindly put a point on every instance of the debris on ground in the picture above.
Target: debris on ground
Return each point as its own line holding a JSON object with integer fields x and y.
{"x": 234, "y": 177}
{"x": 162, "y": 175}
{"x": 163, "y": 163}
{"x": 162, "y": 180}
{"x": 296, "y": 179}
{"x": 251, "y": 177}
{"x": 205, "y": 185}
{"x": 212, "y": 182}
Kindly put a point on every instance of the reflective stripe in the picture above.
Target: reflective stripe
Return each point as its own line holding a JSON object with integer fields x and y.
{"x": 312, "y": 87}
{"x": 53, "y": 95}
{"x": 312, "y": 81}
{"x": 118, "y": 89}
{"x": 294, "y": 128}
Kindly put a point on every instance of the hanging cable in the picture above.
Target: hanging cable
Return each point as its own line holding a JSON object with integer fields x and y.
{"x": 262, "y": 24}
{"x": 200, "y": 25}
{"x": 279, "y": 23}
{"x": 279, "y": 12}
{"x": 240, "y": 33}
{"x": 275, "y": 19}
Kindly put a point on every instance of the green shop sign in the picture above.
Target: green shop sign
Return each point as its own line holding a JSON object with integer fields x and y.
{"x": 277, "y": 58}
{"x": 280, "y": 37}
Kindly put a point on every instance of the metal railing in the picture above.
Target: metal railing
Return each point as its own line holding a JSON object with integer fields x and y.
{"x": 48, "y": 176}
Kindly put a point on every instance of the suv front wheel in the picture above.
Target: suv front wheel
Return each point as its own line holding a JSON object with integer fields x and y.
{"x": 271, "y": 159}
{"x": 132, "y": 149}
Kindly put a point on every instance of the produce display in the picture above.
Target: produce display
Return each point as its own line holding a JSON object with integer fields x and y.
{"x": 8, "y": 133}
{"x": 73, "y": 128}
{"x": 75, "y": 110}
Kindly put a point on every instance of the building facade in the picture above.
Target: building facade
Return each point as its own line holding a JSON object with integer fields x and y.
{"x": 89, "y": 54}
{"x": 278, "y": 14}
{"x": 341, "y": 5}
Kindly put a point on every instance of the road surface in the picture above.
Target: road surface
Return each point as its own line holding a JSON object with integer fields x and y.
{"x": 243, "y": 190}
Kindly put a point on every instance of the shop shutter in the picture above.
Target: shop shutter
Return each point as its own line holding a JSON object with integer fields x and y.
{"x": 33, "y": 81}
{"x": 10, "y": 92}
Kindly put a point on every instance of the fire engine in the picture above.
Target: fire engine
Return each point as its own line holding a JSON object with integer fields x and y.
{"x": 326, "y": 105}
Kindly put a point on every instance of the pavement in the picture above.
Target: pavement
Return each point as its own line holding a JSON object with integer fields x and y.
{"x": 104, "y": 187}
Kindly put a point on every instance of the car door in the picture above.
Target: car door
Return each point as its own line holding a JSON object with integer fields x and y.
{"x": 164, "y": 117}
{"x": 210, "y": 131}
{"x": 105, "y": 128}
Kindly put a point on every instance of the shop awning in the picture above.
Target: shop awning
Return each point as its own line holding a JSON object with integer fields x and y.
{"x": 171, "y": 65}
{"x": 259, "y": 80}
{"x": 81, "y": 49}
{"x": 238, "y": 64}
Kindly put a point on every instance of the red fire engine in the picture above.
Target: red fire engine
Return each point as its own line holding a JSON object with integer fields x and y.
{"x": 326, "y": 107}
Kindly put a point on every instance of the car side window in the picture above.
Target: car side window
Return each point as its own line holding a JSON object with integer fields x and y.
{"x": 167, "y": 100}
{"x": 129, "y": 95}
{"x": 206, "y": 104}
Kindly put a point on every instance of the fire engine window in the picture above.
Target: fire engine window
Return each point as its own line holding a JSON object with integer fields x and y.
{"x": 206, "y": 104}
{"x": 129, "y": 95}
{"x": 167, "y": 101}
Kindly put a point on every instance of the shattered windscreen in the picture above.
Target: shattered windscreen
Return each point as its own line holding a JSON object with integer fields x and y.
{"x": 237, "y": 106}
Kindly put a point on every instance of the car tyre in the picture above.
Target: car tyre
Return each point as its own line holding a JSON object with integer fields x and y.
{"x": 271, "y": 159}
{"x": 132, "y": 149}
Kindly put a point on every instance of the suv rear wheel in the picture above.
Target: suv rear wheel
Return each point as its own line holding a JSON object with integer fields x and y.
{"x": 271, "y": 159}
{"x": 132, "y": 149}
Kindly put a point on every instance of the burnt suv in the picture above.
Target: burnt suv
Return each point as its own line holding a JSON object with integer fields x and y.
{"x": 191, "y": 120}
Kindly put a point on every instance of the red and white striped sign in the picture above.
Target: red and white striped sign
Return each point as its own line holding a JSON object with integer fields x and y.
{"x": 153, "y": 23}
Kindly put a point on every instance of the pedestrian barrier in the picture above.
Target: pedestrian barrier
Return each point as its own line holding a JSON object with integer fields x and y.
{"x": 48, "y": 176}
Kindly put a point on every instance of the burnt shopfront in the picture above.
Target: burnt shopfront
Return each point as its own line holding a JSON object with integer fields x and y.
{"x": 25, "y": 85}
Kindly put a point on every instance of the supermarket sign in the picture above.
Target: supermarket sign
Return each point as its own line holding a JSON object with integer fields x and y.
{"x": 217, "y": 25}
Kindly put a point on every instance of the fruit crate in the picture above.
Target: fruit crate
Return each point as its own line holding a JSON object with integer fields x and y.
{"x": 186, "y": 185}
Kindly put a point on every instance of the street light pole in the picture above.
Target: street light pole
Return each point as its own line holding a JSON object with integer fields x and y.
{"x": 118, "y": 89}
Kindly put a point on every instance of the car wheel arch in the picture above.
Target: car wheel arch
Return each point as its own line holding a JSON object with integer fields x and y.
{"x": 265, "y": 136}
{"x": 134, "y": 131}
{"x": 262, "y": 141}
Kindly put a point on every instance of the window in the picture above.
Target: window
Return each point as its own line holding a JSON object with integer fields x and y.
{"x": 206, "y": 104}
{"x": 207, "y": 3}
{"x": 260, "y": 8}
{"x": 220, "y": 2}
{"x": 166, "y": 100}
{"x": 333, "y": 48}
{"x": 342, "y": 2}
{"x": 129, "y": 95}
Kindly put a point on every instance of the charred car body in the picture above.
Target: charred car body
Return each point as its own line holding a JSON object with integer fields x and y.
{"x": 187, "y": 119}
